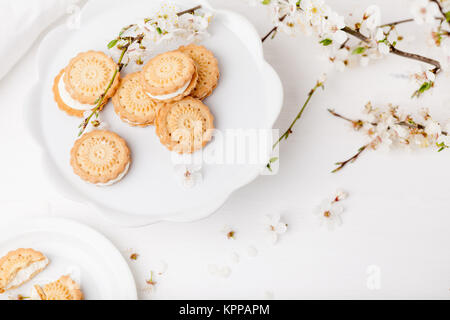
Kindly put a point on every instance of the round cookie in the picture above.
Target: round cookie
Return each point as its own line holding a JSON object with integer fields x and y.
{"x": 170, "y": 76}
{"x": 88, "y": 75}
{"x": 132, "y": 104}
{"x": 63, "y": 105}
{"x": 100, "y": 157}
{"x": 185, "y": 126}
{"x": 62, "y": 289}
{"x": 207, "y": 68}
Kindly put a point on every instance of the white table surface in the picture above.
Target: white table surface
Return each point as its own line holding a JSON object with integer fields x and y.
{"x": 397, "y": 218}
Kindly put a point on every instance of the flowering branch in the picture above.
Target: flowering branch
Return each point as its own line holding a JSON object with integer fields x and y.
{"x": 389, "y": 126}
{"x": 315, "y": 17}
{"x": 101, "y": 99}
{"x": 287, "y": 133}
{"x": 394, "y": 50}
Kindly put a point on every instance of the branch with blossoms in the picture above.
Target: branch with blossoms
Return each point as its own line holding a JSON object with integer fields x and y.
{"x": 289, "y": 131}
{"x": 375, "y": 41}
{"x": 387, "y": 127}
{"x": 135, "y": 41}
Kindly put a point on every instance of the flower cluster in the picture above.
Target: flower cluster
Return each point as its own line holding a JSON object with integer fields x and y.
{"x": 433, "y": 16}
{"x": 166, "y": 25}
{"x": 330, "y": 210}
{"x": 370, "y": 40}
{"x": 388, "y": 127}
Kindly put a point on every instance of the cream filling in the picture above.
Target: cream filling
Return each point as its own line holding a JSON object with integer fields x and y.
{"x": 171, "y": 95}
{"x": 119, "y": 177}
{"x": 131, "y": 122}
{"x": 67, "y": 98}
{"x": 25, "y": 274}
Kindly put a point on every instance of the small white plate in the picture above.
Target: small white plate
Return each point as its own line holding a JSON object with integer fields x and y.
{"x": 249, "y": 97}
{"x": 74, "y": 249}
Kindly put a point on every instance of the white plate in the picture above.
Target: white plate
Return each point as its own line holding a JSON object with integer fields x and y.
{"x": 74, "y": 249}
{"x": 249, "y": 96}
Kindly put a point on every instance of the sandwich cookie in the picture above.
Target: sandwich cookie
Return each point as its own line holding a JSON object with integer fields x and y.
{"x": 78, "y": 87}
{"x": 207, "y": 68}
{"x": 62, "y": 289}
{"x": 169, "y": 77}
{"x": 100, "y": 157}
{"x": 132, "y": 104}
{"x": 19, "y": 266}
{"x": 185, "y": 126}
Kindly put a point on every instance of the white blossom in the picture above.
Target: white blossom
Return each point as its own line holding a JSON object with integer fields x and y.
{"x": 339, "y": 195}
{"x": 424, "y": 11}
{"x": 371, "y": 18}
{"x": 329, "y": 214}
{"x": 274, "y": 227}
{"x": 189, "y": 175}
{"x": 164, "y": 26}
{"x": 383, "y": 48}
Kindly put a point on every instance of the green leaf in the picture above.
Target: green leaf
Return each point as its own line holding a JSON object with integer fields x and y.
{"x": 112, "y": 43}
{"x": 424, "y": 87}
{"x": 265, "y": 1}
{"x": 441, "y": 146}
{"x": 326, "y": 42}
{"x": 274, "y": 159}
{"x": 159, "y": 30}
{"x": 359, "y": 50}
{"x": 447, "y": 16}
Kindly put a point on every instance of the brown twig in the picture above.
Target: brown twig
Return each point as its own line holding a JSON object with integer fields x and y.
{"x": 100, "y": 100}
{"x": 274, "y": 29}
{"x": 288, "y": 132}
{"x": 396, "y": 23}
{"x": 342, "y": 164}
{"x": 413, "y": 56}
{"x": 440, "y": 9}
{"x": 394, "y": 50}
{"x": 189, "y": 10}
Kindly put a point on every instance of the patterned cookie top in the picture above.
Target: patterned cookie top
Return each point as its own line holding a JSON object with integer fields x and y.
{"x": 62, "y": 289}
{"x": 100, "y": 157}
{"x": 88, "y": 75}
{"x": 14, "y": 261}
{"x": 185, "y": 126}
{"x": 132, "y": 104}
{"x": 207, "y": 68}
{"x": 167, "y": 73}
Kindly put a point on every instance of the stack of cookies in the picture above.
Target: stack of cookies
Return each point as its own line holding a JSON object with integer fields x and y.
{"x": 168, "y": 93}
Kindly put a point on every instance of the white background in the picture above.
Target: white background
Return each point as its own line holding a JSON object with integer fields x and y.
{"x": 397, "y": 216}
